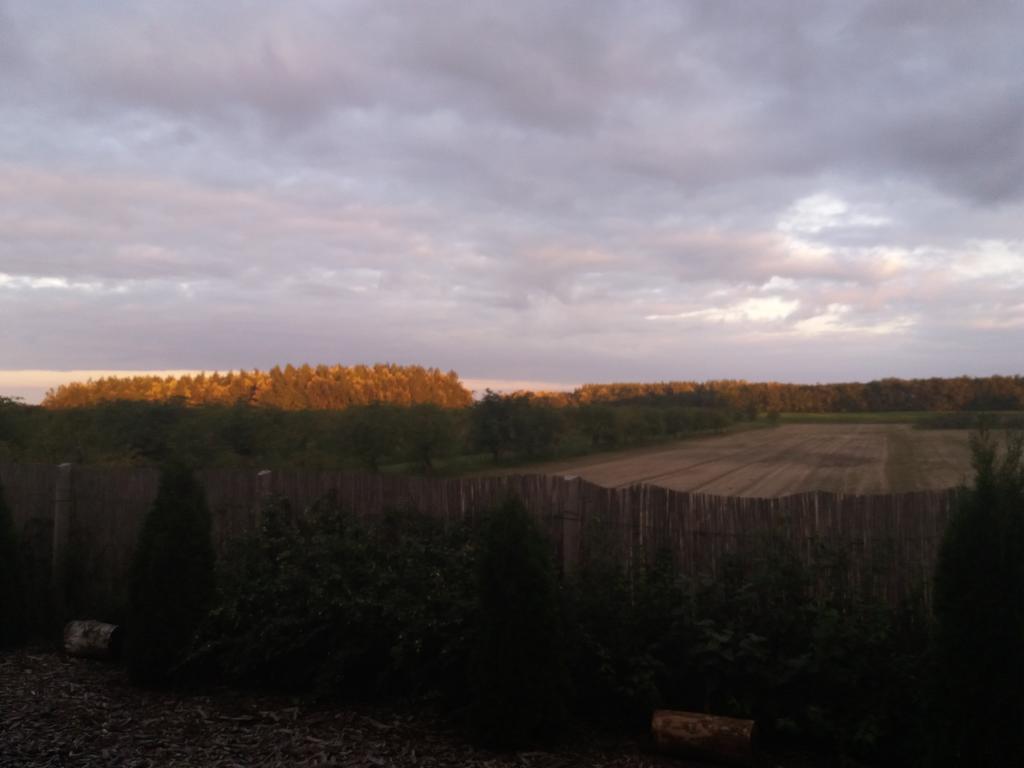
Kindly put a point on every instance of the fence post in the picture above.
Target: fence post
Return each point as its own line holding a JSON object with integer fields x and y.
{"x": 264, "y": 479}
{"x": 570, "y": 541}
{"x": 62, "y": 502}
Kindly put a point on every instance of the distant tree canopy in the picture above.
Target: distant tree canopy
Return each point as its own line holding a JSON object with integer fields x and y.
{"x": 964, "y": 393}
{"x": 337, "y": 387}
{"x": 290, "y": 388}
{"x": 394, "y": 418}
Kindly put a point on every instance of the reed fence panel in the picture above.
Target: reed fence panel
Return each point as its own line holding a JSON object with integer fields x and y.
{"x": 889, "y": 542}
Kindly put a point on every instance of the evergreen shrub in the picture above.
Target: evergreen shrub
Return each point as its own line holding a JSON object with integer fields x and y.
{"x": 519, "y": 679}
{"x": 172, "y": 579}
{"x": 13, "y": 620}
{"x": 979, "y": 610}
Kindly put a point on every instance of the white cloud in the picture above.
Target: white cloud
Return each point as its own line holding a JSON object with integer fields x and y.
{"x": 840, "y": 318}
{"x": 817, "y": 213}
{"x": 27, "y": 282}
{"x": 755, "y": 310}
{"x": 777, "y": 283}
{"x": 992, "y": 259}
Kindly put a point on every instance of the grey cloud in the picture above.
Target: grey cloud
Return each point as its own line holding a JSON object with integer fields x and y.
{"x": 509, "y": 189}
{"x": 12, "y": 50}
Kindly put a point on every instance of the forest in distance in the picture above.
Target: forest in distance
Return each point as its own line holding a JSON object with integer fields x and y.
{"x": 415, "y": 419}
{"x": 333, "y": 387}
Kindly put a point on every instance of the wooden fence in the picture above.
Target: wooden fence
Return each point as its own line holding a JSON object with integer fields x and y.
{"x": 79, "y": 540}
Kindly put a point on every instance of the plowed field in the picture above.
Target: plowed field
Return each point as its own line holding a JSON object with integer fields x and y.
{"x": 857, "y": 458}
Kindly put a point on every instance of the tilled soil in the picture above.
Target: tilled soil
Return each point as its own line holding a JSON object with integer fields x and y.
{"x": 845, "y": 458}
{"x": 60, "y": 711}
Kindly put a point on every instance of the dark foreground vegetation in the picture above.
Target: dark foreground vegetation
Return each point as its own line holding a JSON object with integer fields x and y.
{"x": 978, "y": 694}
{"x": 479, "y": 622}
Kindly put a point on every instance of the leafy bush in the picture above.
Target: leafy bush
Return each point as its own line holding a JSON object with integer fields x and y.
{"x": 620, "y": 632}
{"x": 598, "y": 424}
{"x": 318, "y": 600}
{"x": 817, "y": 665}
{"x": 491, "y": 424}
{"x": 756, "y": 642}
{"x": 535, "y": 427}
{"x": 979, "y": 608}
{"x": 13, "y": 620}
{"x": 372, "y": 433}
{"x": 518, "y": 676}
{"x": 430, "y": 432}
{"x": 15, "y": 418}
{"x": 172, "y": 578}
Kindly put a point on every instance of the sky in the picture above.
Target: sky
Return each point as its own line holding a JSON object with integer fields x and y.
{"x": 553, "y": 192}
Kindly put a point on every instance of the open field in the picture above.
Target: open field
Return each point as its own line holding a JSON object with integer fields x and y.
{"x": 846, "y": 458}
{"x": 865, "y": 417}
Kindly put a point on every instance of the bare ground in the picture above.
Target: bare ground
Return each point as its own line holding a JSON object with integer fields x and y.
{"x": 847, "y": 458}
{"x": 59, "y": 711}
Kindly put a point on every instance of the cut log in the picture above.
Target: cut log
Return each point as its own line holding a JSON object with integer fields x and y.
{"x": 720, "y": 739}
{"x": 92, "y": 639}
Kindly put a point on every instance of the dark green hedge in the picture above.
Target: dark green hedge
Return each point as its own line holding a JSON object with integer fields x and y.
{"x": 320, "y": 601}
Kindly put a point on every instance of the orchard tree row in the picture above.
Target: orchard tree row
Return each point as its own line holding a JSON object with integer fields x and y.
{"x": 421, "y": 437}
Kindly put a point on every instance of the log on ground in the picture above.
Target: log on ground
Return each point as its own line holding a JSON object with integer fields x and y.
{"x": 92, "y": 639}
{"x": 720, "y": 739}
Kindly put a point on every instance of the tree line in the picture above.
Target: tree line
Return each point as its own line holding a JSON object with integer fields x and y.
{"x": 336, "y": 387}
{"x": 306, "y": 387}
{"x": 962, "y": 393}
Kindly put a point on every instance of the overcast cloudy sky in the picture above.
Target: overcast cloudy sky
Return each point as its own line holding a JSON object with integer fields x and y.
{"x": 551, "y": 191}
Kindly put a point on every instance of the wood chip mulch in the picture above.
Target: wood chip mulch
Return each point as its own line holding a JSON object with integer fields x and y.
{"x": 60, "y": 711}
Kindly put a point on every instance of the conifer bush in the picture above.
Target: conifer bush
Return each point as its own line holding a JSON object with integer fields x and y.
{"x": 172, "y": 579}
{"x": 979, "y": 610}
{"x": 12, "y": 602}
{"x": 519, "y": 680}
